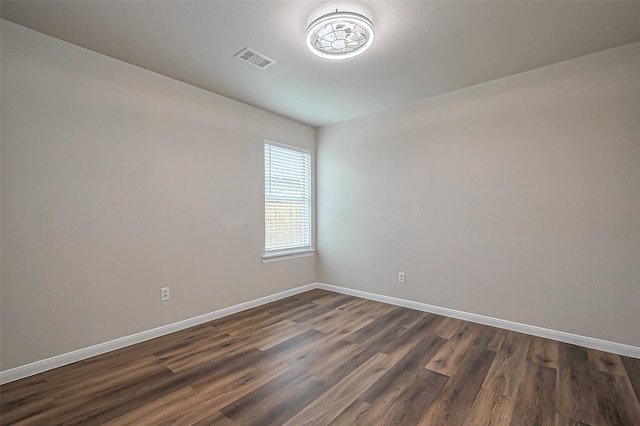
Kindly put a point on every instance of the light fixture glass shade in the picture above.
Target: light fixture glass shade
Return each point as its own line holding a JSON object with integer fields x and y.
{"x": 340, "y": 35}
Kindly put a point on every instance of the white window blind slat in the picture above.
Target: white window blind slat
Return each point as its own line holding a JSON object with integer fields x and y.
{"x": 287, "y": 198}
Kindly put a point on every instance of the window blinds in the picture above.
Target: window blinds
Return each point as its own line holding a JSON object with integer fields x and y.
{"x": 287, "y": 209}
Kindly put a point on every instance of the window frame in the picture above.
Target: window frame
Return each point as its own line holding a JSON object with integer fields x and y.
{"x": 276, "y": 255}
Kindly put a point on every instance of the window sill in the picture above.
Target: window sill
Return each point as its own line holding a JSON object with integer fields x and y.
{"x": 287, "y": 255}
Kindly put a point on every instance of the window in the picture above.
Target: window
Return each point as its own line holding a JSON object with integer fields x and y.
{"x": 287, "y": 200}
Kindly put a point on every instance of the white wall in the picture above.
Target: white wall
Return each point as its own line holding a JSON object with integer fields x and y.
{"x": 116, "y": 182}
{"x": 517, "y": 199}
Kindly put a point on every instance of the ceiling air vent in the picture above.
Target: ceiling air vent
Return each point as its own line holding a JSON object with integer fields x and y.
{"x": 254, "y": 58}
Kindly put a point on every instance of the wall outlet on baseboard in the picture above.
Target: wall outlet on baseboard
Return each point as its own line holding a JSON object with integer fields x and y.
{"x": 164, "y": 294}
{"x": 401, "y": 277}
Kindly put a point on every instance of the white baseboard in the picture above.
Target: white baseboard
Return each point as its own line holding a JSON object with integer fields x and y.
{"x": 101, "y": 348}
{"x": 575, "y": 339}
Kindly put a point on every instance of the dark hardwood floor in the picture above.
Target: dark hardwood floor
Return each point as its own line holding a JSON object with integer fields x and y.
{"x": 329, "y": 359}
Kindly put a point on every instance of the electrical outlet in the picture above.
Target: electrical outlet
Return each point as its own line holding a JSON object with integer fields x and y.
{"x": 165, "y": 295}
{"x": 401, "y": 277}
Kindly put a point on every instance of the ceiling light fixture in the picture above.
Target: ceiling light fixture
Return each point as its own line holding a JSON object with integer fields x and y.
{"x": 340, "y": 35}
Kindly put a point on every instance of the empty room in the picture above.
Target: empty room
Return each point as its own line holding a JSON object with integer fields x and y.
{"x": 327, "y": 213}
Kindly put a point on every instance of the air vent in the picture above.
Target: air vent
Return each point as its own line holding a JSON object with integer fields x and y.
{"x": 254, "y": 58}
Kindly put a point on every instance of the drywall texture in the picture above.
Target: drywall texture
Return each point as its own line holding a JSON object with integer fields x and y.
{"x": 116, "y": 182}
{"x": 518, "y": 199}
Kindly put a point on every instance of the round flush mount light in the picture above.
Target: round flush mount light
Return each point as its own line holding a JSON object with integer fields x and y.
{"x": 340, "y": 35}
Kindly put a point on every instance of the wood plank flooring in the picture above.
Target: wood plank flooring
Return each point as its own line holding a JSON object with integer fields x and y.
{"x": 329, "y": 359}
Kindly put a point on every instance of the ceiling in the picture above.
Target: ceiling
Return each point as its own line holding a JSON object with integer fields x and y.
{"x": 422, "y": 48}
